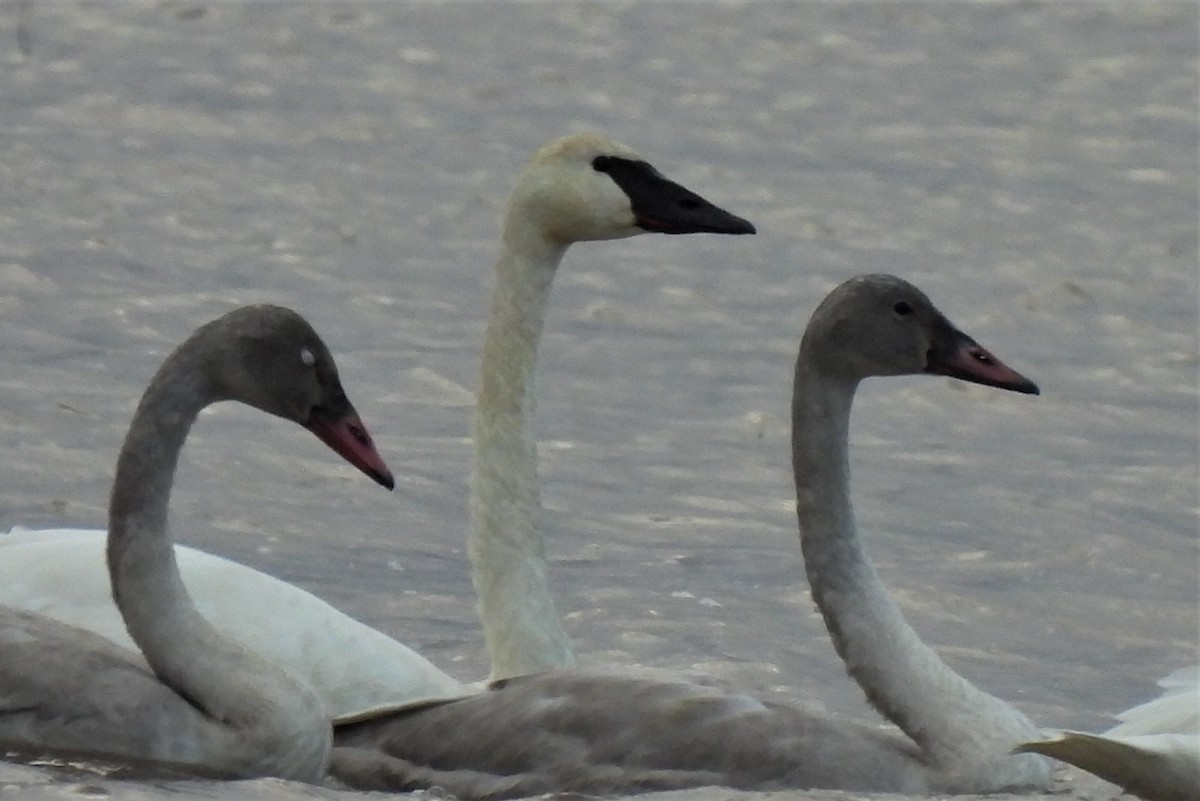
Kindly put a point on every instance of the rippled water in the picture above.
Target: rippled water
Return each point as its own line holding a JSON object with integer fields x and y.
{"x": 1032, "y": 166}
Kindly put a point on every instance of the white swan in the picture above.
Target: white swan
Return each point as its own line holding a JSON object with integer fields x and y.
{"x": 1154, "y": 752}
{"x": 577, "y": 188}
{"x": 210, "y": 706}
{"x": 605, "y": 733}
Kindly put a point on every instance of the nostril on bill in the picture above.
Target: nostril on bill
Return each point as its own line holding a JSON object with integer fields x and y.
{"x": 982, "y": 356}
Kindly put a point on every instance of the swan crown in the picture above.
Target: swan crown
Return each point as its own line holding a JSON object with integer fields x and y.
{"x": 271, "y": 358}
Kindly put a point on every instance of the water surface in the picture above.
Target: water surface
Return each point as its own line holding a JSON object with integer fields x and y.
{"x": 1031, "y": 166}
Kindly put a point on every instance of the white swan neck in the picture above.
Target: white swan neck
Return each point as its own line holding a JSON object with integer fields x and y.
{"x": 508, "y": 565}
{"x": 961, "y": 729}
{"x": 269, "y": 719}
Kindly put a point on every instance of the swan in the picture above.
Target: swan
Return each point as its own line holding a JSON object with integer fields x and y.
{"x": 1154, "y": 752}
{"x": 209, "y": 706}
{"x": 577, "y": 188}
{"x": 596, "y": 732}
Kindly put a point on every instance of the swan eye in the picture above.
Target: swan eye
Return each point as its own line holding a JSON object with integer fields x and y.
{"x": 903, "y": 309}
{"x": 307, "y": 357}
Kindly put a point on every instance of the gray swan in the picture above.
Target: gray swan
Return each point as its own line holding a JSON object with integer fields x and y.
{"x": 582, "y": 187}
{"x": 594, "y": 732}
{"x": 208, "y": 706}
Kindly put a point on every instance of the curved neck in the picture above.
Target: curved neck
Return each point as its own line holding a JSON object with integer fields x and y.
{"x": 508, "y": 565}
{"x": 962, "y": 731}
{"x": 272, "y": 717}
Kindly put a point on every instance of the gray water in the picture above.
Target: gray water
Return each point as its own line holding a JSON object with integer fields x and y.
{"x": 1033, "y": 167}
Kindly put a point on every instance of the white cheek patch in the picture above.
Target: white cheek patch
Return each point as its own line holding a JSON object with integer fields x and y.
{"x": 307, "y": 357}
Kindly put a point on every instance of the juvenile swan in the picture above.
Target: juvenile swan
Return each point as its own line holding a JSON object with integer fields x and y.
{"x": 578, "y": 188}
{"x": 210, "y": 706}
{"x": 606, "y": 733}
{"x": 1154, "y": 752}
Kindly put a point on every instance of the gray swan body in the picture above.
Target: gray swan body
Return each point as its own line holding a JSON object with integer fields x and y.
{"x": 604, "y": 732}
{"x": 582, "y": 187}
{"x": 207, "y": 705}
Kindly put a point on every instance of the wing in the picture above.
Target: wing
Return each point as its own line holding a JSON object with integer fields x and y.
{"x": 606, "y": 733}
{"x": 64, "y": 690}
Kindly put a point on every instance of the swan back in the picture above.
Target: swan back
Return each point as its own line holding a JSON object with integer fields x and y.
{"x": 54, "y": 572}
{"x": 1176, "y": 711}
{"x": 1154, "y": 752}
{"x": 1155, "y": 767}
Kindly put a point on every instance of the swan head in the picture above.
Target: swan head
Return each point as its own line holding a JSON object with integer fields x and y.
{"x": 586, "y": 187}
{"x": 880, "y": 325}
{"x": 270, "y": 358}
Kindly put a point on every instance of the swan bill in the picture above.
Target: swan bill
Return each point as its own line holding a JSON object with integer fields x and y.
{"x": 662, "y": 206}
{"x": 964, "y": 358}
{"x": 348, "y": 437}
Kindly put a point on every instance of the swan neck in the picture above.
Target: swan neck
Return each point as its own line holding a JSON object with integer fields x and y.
{"x": 954, "y": 723}
{"x": 271, "y": 723}
{"x": 508, "y": 564}
{"x": 145, "y": 579}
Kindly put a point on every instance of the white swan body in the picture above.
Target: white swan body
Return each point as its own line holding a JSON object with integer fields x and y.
{"x": 608, "y": 733}
{"x": 374, "y": 670}
{"x": 1154, "y": 752}
{"x": 1176, "y": 711}
{"x": 580, "y": 187}
{"x": 208, "y": 705}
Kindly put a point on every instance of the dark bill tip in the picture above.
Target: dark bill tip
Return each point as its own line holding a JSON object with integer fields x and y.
{"x": 713, "y": 220}
{"x": 662, "y": 206}
{"x": 348, "y": 437}
{"x": 969, "y": 361}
